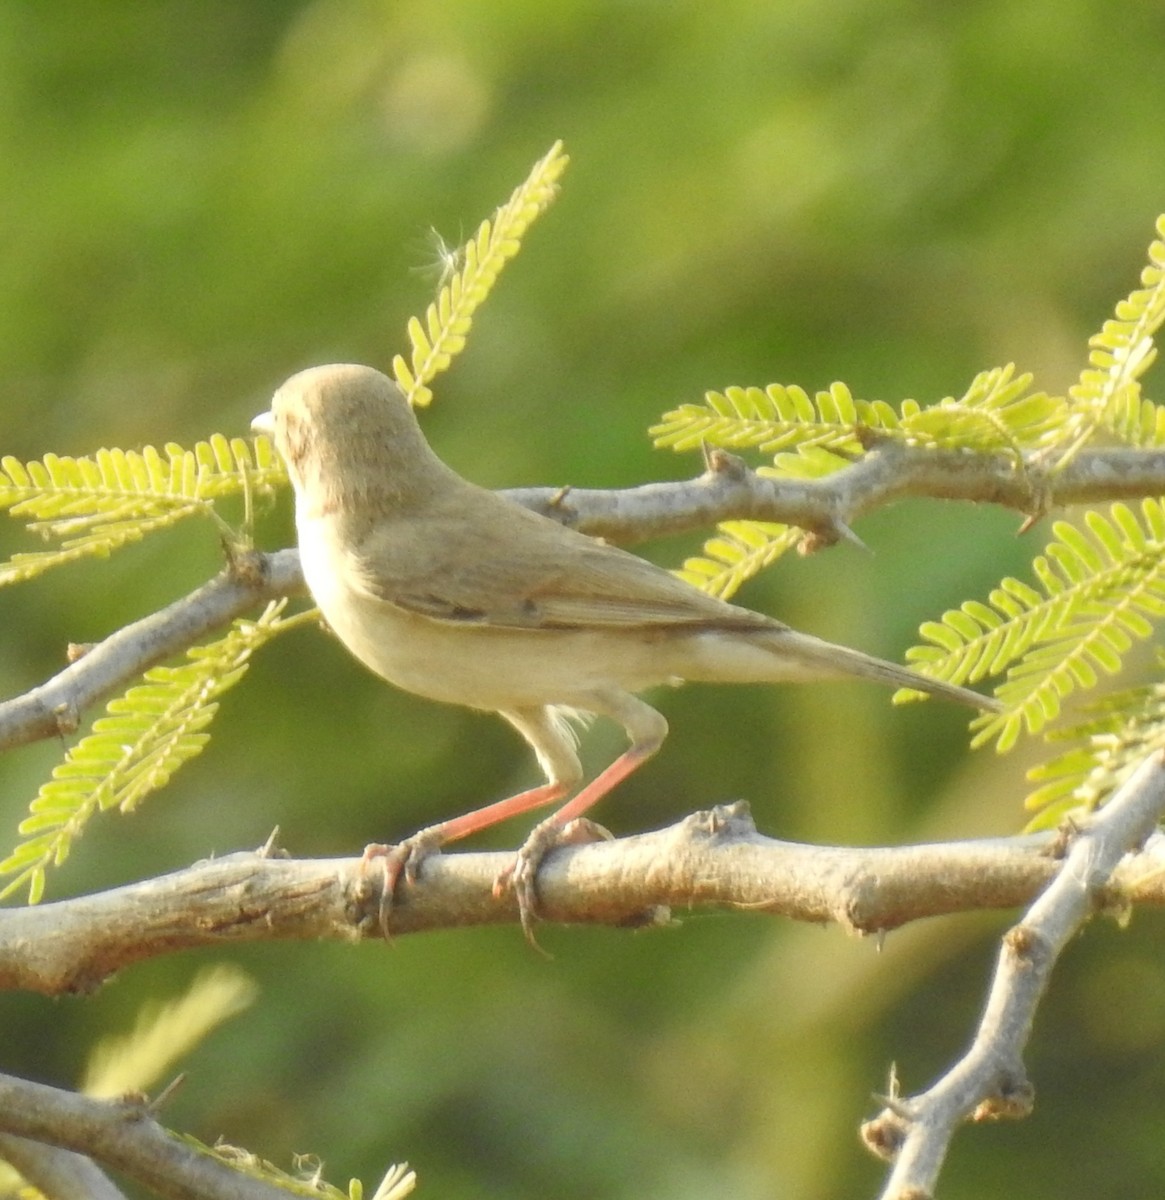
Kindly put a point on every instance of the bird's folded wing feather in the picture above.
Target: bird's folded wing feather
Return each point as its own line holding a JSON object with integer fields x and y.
{"x": 529, "y": 572}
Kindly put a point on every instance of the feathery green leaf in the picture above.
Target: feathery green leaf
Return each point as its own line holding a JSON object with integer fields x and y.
{"x": 441, "y": 336}
{"x": 738, "y": 551}
{"x": 772, "y": 419}
{"x": 92, "y": 506}
{"x": 1102, "y": 586}
{"x": 997, "y": 414}
{"x": 145, "y": 736}
{"x": 1108, "y": 748}
{"x": 1108, "y": 392}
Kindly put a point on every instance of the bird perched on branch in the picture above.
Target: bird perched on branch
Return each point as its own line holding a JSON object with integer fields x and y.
{"x": 451, "y": 591}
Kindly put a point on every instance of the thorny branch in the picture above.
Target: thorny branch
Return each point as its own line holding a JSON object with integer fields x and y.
{"x": 56, "y": 706}
{"x": 989, "y": 1081}
{"x": 710, "y": 859}
{"x": 826, "y": 507}
{"x": 121, "y": 1134}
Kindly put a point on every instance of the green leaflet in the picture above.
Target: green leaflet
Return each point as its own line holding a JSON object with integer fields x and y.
{"x": 1108, "y": 748}
{"x": 1099, "y": 588}
{"x": 441, "y": 336}
{"x": 740, "y": 550}
{"x": 1108, "y": 393}
{"x": 146, "y": 735}
{"x": 92, "y": 506}
{"x": 775, "y": 418}
{"x": 997, "y": 413}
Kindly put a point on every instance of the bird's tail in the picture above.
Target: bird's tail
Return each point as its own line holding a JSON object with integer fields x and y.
{"x": 773, "y": 655}
{"x": 827, "y": 658}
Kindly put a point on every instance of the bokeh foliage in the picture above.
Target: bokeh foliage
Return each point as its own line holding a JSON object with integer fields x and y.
{"x": 203, "y": 199}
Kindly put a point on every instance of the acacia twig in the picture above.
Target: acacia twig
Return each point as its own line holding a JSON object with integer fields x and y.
{"x": 713, "y": 858}
{"x": 123, "y": 1135}
{"x": 57, "y": 1174}
{"x": 827, "y": 506}
{"x": 56, "y": 707}
{"x": 989, "y": 1081}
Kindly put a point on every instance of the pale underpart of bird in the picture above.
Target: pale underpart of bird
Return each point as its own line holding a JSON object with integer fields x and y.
{"x": 449, "y": 590}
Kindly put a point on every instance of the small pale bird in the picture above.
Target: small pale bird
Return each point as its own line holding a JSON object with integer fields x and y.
{"x": 449, "y": 590}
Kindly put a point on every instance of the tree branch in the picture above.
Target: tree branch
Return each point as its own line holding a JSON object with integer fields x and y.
{"x": 56, "y": 706}
{"x": 57, "y": 1174}
{"x": 123, "y": 1135}
{"x": 989, "y": 1082}
{"x": 711, "y": 858}
{"x": 827, "y": 506}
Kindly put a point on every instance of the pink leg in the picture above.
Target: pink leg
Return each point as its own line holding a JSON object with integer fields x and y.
{"x": 500, "y": 810}
{"x": 405, "y": 858}
{"x": 546, "y": 732}
{"x": 555, "y": 749}
{"x": 605, "y": 781}
{"x": 522, "y": 873}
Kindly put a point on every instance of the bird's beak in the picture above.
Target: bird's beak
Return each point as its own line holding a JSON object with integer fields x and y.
{"x": 264, "y": 423}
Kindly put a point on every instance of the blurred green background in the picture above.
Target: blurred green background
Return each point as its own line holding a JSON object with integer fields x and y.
{"x": 199, "y": 200}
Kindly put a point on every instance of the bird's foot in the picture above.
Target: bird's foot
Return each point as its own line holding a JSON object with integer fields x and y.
{"x": 402, "y": 859}
{"x": 521, "y": 876}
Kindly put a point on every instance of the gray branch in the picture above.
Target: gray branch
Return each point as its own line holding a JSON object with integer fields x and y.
{"x": 710, "y": 859}
{"x": 57, "y": 1174}
{"x": 827, "y": 507}
{"x": 56, "y": 707}
{"x": 122, "y": 1135}
{"x": 989, "y": 1082}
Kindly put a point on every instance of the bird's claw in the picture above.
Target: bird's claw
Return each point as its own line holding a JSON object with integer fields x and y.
{"x": 402, "y": 859}
{"x": 521, "y": 876}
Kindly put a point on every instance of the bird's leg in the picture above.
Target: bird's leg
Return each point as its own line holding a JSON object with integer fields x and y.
{"x": 647, "y": 730}
{"x": 554, "y": 746}
{"x": 559, "y": 828}
{"x": 405, "y": 858}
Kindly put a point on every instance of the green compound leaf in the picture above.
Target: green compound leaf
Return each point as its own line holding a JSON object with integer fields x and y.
{"x": 1107, "y": 749}
{"x": 1099, "y": 588}
{"x": 1108, "y": 393}
{"x": 94, "y": 505}
{"x": 435, "y": 341}
{"x": 775, "y": 418}
{"x": 997, "y": 414}
{"x": 738, "y": 551}
{"x": 145, "y": 736}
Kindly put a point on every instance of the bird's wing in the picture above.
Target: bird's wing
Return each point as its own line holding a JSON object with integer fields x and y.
{"x": 517, "y": 569}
